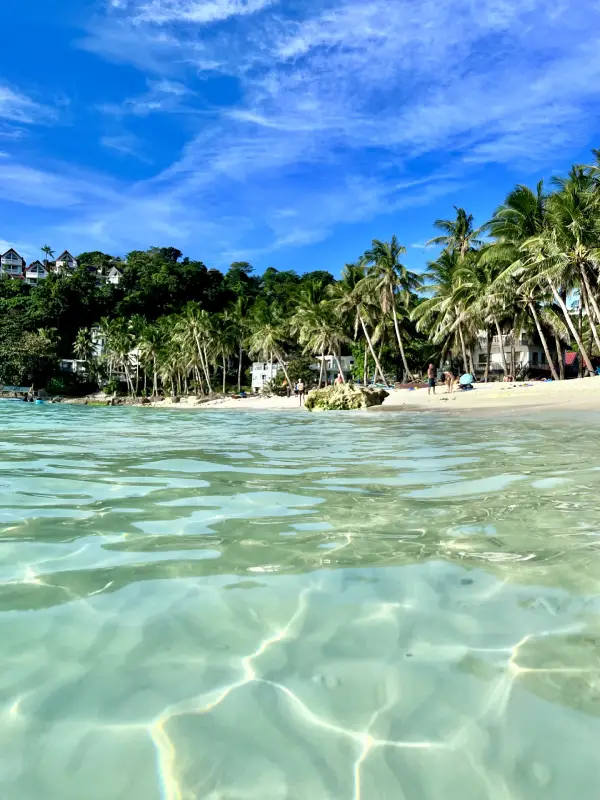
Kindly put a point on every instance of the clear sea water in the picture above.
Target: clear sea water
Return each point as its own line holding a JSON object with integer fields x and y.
{"x": 295, "y": 607}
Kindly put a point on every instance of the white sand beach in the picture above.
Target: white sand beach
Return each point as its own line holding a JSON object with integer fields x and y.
{"x": 579, "y": 394}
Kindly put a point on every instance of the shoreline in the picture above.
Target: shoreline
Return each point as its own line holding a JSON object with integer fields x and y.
{"x": 579, "y": 394}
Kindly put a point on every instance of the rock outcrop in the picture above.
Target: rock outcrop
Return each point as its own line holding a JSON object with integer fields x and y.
{"x": 345, "y": 397}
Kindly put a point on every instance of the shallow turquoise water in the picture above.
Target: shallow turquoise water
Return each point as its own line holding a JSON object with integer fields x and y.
{"x": 269, "y": 606}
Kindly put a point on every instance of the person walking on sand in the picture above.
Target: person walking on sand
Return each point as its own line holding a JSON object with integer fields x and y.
{"x": 449, "y": 379}
{"x": 301, "y": 391}
{"x": 431, "y": 378}
{"x": 339, "y": 380}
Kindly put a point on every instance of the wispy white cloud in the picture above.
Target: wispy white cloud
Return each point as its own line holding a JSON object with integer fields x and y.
{"x": 163, "y": 96}
{"x": 161, "y": 12}
{"x": 338, "y": 105}
{"x": 126, "y": 144}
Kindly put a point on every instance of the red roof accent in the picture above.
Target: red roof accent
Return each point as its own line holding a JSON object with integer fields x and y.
{"x": 570, "y": 358}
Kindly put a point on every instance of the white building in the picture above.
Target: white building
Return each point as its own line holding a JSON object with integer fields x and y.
{"x": 263, "y": 373}
{"x": 11, "y": 264}
{"x": 529, "y": 354}
{"x": 65, "y": 262}
{"x": 332, "y": 369}
{"x": 74, "y": 365}
{"x": 35, "y": 272}
{"x": 114, "y": 275}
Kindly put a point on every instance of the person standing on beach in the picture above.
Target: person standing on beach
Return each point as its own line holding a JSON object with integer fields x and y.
{"x": 301, "y": 391}
{"x": 431, "y": 378}
{"x": 449, "y": 378}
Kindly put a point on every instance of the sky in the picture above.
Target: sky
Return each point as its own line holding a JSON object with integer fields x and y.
{"x": 288, "y": 133}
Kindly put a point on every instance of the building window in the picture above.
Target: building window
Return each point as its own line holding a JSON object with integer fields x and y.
{"x": 482, "y": 359}
{"x": 542, "y": 358}
{"x": 535, "y": 357}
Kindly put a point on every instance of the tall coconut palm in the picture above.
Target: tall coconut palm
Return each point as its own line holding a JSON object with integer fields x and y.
{"x": 321, "y": 331}
{"x": 239, "y": 313}
{"x": 48, "y": 254}
{"x": 199, "y": 325}
{"x": 392, "y": 282}
{"x": 83, "y": 347}
{"x": 458, "y": 235}
{"x": 544, "y": 258}
{"x": 352, "y": 299}
{"x": 267, "y": 341}
{"x": 149, "y": 344}
{"x": 225, "y": 340}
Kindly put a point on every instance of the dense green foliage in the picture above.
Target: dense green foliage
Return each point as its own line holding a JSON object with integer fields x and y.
{"x": 175, "y": 325}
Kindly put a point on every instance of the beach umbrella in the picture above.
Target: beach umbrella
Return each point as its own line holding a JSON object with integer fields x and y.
{"x": 466, "y": 379}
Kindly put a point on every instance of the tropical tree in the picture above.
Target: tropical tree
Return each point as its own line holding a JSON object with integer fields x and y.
{"x": 48, "y": 254}
{"x": 389, "y": 280}
{"x": 83, "y": 347}
{"x": 458, "y": 235}
{"x": 354, "y": 300}
{"x": 266, "y": 343}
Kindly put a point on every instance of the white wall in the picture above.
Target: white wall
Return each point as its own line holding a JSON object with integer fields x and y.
{"x": 262, "y": 373}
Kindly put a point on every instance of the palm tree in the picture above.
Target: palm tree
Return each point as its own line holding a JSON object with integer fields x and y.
{"x": 83, "y": 347}
{"x": 458, "y": 235}
{"x": 388, "y": 278}
{"x": 149, "y": 344}
{"x": 545, "y": 259}
{"x": 198, "y": 324}
{"x": 353, "y": 299}
{"x": 321, "y": 331}
{"x": 239, "y": 314}
{"x": 225, "y": 340}
{"x": 266, "y": 343}
{"x": 48, "y": 253}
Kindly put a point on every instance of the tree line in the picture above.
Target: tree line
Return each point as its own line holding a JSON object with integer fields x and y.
{"x": 197, "y": 329}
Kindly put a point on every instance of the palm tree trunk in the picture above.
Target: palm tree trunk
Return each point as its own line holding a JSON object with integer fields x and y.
{"x": 570, "y": 325}
{"x": 488, "y": 354}
{"x": 560, "y": 357}
{"x": 534, "y": 314}
{"x": 513, "y": 355}
{"x": 240, "y": 357}
{"x": 400, "y": 344}
{"x": 470, "y": 354}
{"x": 365, "y": 369}
{"x": 591, "y": 297}
{"x": 321, "y": 370}
{"x": 224, "y": 374}
{"x": 202, "y": 363}
{"x": 370, "y": 343}
{"x": 283, "y": 367}
{"x": 339, "y": 363}
{"x": 502, "y": 351}
{"x": 154, "y": 378}
{"x": 586, "y": 301}
{"x": 463, "y": 347}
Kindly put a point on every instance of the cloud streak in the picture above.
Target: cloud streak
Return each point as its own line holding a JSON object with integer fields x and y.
{"x": 337, "y": 111}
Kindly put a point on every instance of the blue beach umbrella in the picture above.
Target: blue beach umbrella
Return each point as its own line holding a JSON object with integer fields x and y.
{"x": 466, "y": 379}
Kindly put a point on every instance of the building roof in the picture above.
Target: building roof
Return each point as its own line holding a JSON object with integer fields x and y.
{"x": 37, "y": 264}
{"x": 65, "y": 253}
{"x": 11, "y": 250}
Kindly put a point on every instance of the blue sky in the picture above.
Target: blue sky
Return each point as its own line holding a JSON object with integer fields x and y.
{"x": 284, "y": 132}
